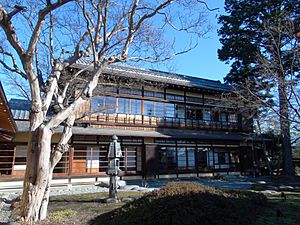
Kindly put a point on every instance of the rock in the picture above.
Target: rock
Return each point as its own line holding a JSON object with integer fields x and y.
{"x": 112, "y": 200}
{"x": 261, "y": 182}
{"x": 4, "y": 197}
{"x": 131, "y": 187}
{"x": 4, "y": 217}
{"x": 269, "y": 192}
{"x": 142, "y": 189}
{"x": 286, "y": 188}
{"x": 103, "y": 184}
{"x": 127, "y": 199}
{"x": 272, "y": 188}
{"x": 14, "y": 223}
{"x": 121, "y": 184}
{"x": 5, "y": 207}
{"x": 14, "y": 197}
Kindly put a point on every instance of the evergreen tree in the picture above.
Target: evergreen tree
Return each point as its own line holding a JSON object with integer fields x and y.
{"x": 260, "y": 40}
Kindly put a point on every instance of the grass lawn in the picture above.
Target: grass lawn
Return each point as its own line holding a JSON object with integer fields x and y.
{"x": 82, "y": 209}
{"x": 290, "y": 209}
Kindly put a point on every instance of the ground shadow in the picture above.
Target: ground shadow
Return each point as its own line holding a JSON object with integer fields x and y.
{"x": 230, "y": 208}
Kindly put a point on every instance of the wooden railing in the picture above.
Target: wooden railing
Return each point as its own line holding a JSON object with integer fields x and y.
{"x": 126, "y": 119}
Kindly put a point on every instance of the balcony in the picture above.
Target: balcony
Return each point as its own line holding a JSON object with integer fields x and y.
{"x": 150, "y": 121}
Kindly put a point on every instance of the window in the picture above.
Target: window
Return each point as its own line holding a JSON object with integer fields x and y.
{"x": 194, "y": 99}
{"x": 129, "y": 106}
{"x": 232, "y": 118}
{"x": 181, "y": 155}
{"x": 103, "y": 104}
{"x": 215, "y": 116}
{"x": 202, "y": 157}
{"x": 152, "y": 108}
{"x": 124, "y": 106}
{"x": 206, "y": 115}
{"x": 180, "y": 111}
{"x": 199, "y": 114}
{"x": 191, "y": 156}
{"x": 159, "y": 109}
{"x": 110, "y": 89}
{"x": 149, "y": 108}
{"x": 190, "y": 112}
{"x": 149, "y": 94}
{"x": 136, "y": 106}
{"x": 175, "y": 97}
{"x": 168, "y": 158}
{"x": 159, "y": 95}
{"x": 170, "y": 110}
{"x": 153, "y": 94}
{"x": 224, "y": 117}
{"x": 129, "y": 91}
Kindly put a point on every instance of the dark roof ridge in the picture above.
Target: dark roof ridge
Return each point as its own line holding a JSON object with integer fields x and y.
{"x": 157, "y": 75}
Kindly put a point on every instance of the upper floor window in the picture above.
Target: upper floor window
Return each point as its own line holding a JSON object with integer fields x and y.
{"x": 129, "y": 91}
{"x": 153, "y": 94}
{"x": 129, "y": 106}
{"x": 194, "y": 112}
{"x": 194, "y": 99}
{"x": 103, "y": 104}
{"x": 175, "y": 97}
{"x": 152, "y": 108}
{"x": 170, "y": 110}
{"x": 110, "y": 89}
{"x": 180, "y": 111}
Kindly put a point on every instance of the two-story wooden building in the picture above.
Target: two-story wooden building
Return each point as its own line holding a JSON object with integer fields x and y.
{"x": 167, "y": 124}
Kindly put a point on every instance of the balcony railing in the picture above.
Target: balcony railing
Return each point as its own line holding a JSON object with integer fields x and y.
{"x": 140, "y": 120}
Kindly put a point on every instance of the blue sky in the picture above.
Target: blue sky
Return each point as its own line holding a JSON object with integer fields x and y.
{"x": 203, "y": 61}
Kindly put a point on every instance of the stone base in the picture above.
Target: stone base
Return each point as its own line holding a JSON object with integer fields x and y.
{"x": 112, "y": 200}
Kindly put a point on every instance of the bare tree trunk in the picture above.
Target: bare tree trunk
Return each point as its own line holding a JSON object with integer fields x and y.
{"x": 288, "y": 166}
{"x": 41, "y": 161}
{"x": 37, "y": 174}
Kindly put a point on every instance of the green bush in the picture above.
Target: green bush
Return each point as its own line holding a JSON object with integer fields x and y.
{"x": 187, "y": 203}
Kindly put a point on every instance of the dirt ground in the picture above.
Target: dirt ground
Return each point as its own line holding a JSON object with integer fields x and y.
{"x": 80, "y": 209}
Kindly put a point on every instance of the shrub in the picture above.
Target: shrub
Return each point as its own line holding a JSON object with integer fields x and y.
{"x": 187, "y": 203}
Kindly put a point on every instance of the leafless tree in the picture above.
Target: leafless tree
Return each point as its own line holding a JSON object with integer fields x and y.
{"x": 41, "y": 40}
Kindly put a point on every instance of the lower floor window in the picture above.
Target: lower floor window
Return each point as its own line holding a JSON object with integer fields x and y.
{"x": 184, "y": 158}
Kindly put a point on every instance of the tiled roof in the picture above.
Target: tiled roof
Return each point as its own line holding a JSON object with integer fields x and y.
{"x": 160, "y": 76}
{"x": 23, "y": 126}
{"x": 20, "y": 108}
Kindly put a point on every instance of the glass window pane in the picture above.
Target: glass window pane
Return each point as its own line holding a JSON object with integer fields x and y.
{"x": 159, "y": 109}
{"x": 232, "y": 118}
{"x": 123, "y": 106}
{"x": 136, "y": 106}
{"x": 170, "y": 112}
{"x": 224, "y": 117}
{"x": 103, "y": 104}
{"x": 180, "y": 111}
{"x": 149, "y": 108}
{"x": 181, "y": 153}
{"x": 191, "y": 156}
{"x": 206, "y": 115}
